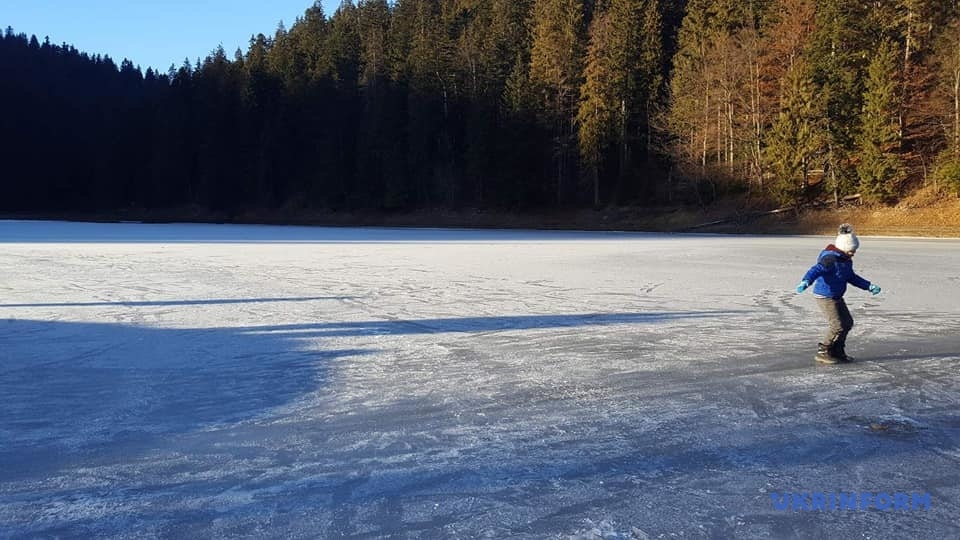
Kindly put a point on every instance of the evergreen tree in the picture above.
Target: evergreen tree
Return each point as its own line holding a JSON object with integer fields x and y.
{"x": 555, "y": 71}
{"x": 343, "y": 46}
{"x": 602, "y": 97}
{"x": 622, "y": 80}
{"x": 880, "y": 168}
{"x": 509, "y": 35}
{"x": 373, "y": 17}
{"x": 944, "y": 107}
{"x": 684, "y": 122}
{"x": 311, "y": 32}
{"x": 837, "y": 53}
{"x": 283, "y": 58}
{"x": 473, "y": 61}
{"x": 381, "y": 148}
{"x": 430, "y": 83}
{"x": 650, "y": 70}
{"x": 794, "y": 143}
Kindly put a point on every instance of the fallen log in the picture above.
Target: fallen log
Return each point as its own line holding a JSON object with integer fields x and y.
{"x": 741, "y": 218}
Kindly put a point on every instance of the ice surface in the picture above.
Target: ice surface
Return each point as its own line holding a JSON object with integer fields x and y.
{"x": 290, "y": 382}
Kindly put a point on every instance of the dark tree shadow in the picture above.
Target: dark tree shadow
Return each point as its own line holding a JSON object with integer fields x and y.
{"x": 67, "y": 386}
{"x": 161, "y": 303}
{"x": 176, "y": 233}
{"x": 484, "y": 324}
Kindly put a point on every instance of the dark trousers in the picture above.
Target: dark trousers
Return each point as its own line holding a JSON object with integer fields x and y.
{"x": 839, "y": 320}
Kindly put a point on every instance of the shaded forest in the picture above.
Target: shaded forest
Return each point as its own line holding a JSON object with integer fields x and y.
{"x": 500, "y": 104}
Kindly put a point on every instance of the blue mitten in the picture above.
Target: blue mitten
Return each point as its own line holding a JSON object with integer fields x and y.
{"x": 802, "y": 286}
{"x": 875, "y": 290}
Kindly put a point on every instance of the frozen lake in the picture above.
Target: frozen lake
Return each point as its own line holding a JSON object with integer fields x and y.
{"x": 281, "y": 382}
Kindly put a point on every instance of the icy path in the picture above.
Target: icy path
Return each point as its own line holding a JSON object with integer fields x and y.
{"x": 219, "y": 381}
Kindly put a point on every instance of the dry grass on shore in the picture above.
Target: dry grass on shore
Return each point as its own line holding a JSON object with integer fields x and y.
{"x": 923, "y": 214}
{"x": 919, "y": 215}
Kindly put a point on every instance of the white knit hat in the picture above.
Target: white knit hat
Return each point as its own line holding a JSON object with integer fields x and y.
{"x": 846, "y": 240}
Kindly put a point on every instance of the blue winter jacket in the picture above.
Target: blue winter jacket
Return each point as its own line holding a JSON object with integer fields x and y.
{"x": 834, "y": 269}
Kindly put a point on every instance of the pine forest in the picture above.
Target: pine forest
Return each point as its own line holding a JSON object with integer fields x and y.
{"x": 512, "y": 105}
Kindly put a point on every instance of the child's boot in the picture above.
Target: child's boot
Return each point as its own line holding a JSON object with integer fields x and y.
{"x": 826, "y": 354}
{"x": 840, "y": 348}
{"x": 842, "y": 354}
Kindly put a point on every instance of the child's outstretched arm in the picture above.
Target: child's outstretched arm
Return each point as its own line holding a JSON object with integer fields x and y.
{"x": 864, "y": 284}
{"x": 812, "y": 274}
{"x": 858, "y": 281}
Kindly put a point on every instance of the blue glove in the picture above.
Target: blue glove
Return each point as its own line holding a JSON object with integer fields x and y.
{"x": 802, "y": 286}
{"x": 875, "y": 290}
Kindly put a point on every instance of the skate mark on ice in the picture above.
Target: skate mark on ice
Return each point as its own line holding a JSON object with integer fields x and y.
{"x": 777, "y": 302}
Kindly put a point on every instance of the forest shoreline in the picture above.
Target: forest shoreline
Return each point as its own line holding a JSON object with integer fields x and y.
{"x": 938, "y": 219}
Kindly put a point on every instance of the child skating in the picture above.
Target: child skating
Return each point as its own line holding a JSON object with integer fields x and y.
{"x": 834, "y": 269}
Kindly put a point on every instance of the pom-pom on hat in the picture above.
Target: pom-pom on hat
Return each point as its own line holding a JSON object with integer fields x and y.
{"x": 846, "y": 240}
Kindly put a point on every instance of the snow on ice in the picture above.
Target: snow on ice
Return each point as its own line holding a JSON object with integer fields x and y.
{"x": 282, "y": 382}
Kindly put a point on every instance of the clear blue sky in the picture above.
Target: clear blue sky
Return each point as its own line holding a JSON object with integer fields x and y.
{"x": 152, "y": 33}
